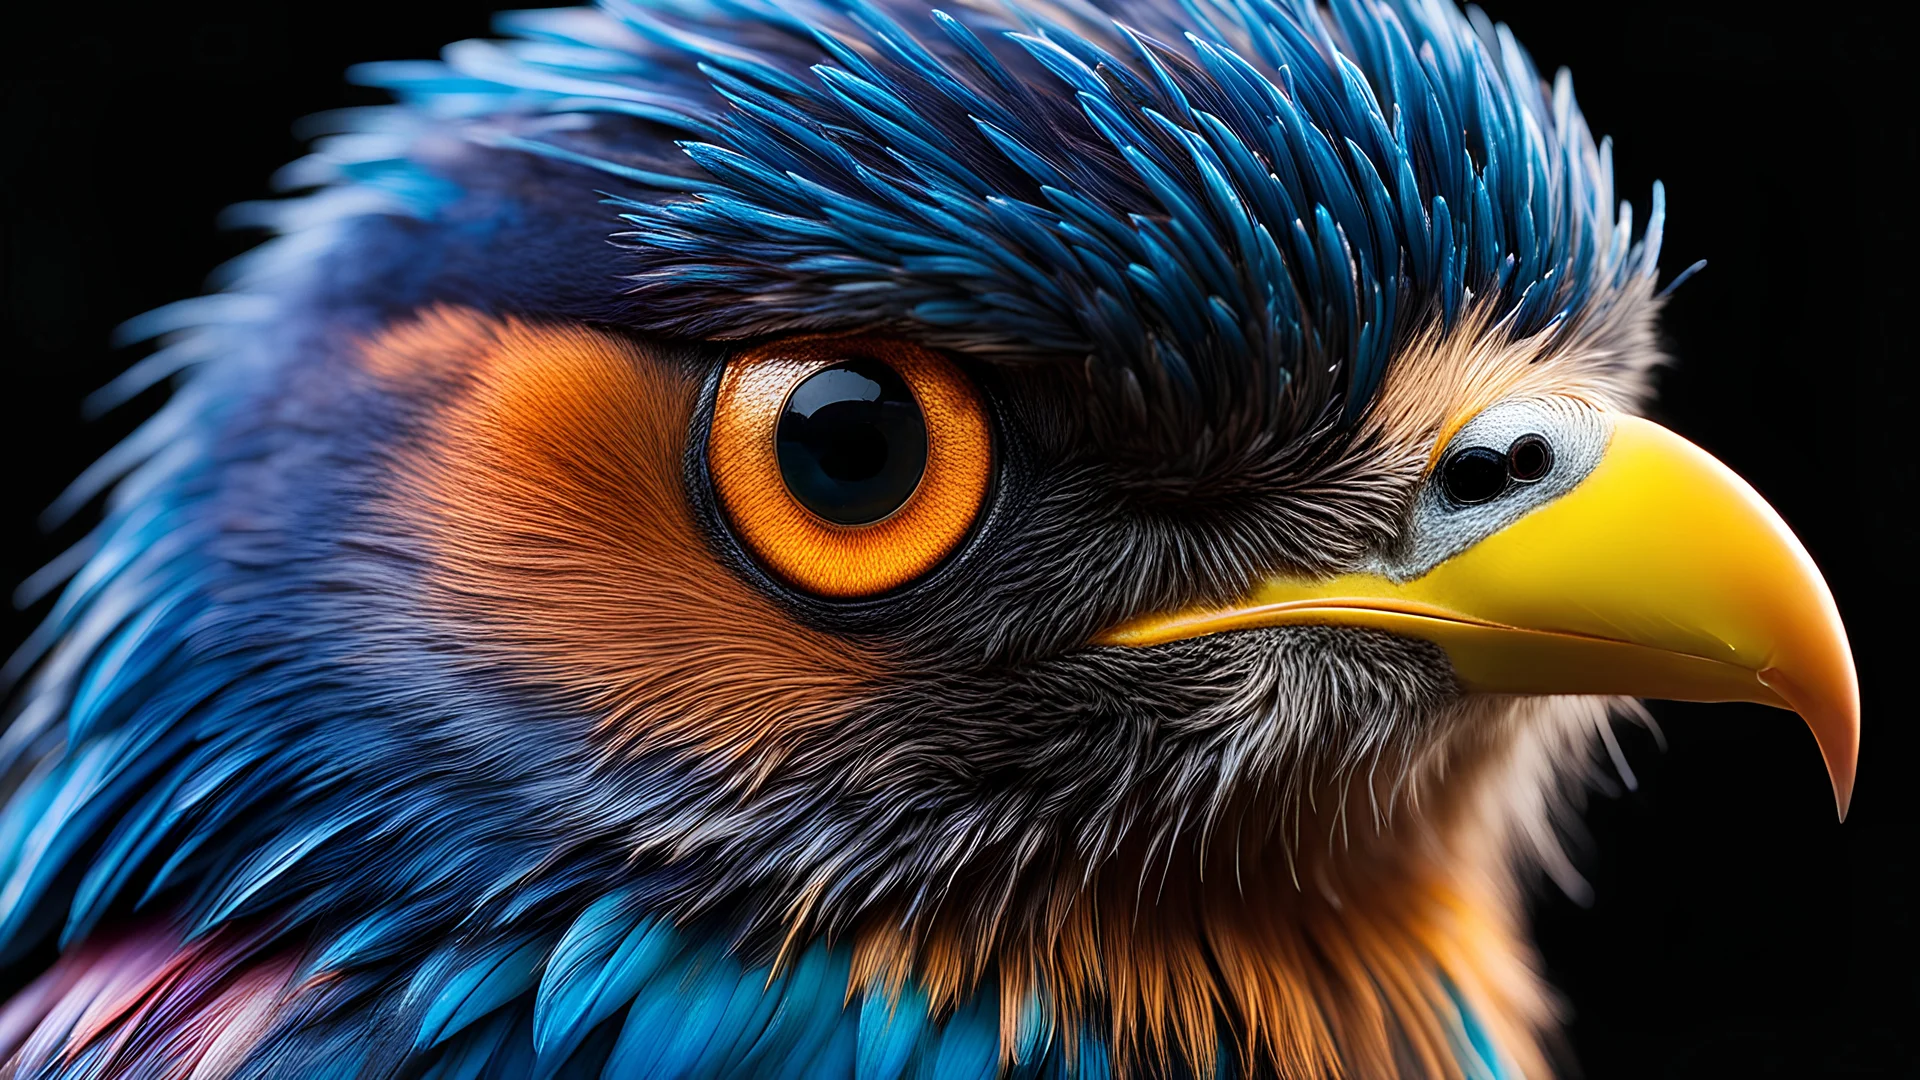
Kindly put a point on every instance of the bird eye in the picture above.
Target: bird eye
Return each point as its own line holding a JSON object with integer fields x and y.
{"x": 852, "y": 442}
{"x": 1529, "y": 458}
{"x": 849, "y": 466}
{"x": 1474, "y": 475}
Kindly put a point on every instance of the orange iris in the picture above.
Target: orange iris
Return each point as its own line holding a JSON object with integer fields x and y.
{"x": 809, "y": 551}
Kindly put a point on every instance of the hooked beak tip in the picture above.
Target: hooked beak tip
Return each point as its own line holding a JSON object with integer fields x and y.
{"x": 1833, "y": 715}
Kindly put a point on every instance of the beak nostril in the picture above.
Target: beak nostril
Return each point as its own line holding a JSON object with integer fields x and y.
{"x": 1529, "y": 458}
{"x": 1474, "y": 475}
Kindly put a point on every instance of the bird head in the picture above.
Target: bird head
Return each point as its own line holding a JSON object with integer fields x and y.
{"x": 1138, "y": 511}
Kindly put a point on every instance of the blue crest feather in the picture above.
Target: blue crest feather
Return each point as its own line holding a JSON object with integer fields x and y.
{"x": 1208, "y": 202}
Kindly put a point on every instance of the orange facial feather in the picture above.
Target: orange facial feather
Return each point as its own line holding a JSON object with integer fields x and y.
{"x": 550, "y": 489}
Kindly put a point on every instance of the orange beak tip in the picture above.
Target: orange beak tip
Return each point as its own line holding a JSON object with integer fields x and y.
{"x": 1840, "y": 771}
{"x": 1829, "y": 702}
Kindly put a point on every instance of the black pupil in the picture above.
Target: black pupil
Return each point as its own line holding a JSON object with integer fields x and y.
{"x": 1528, "y": 458}
{"x": 1474, "y": 475}
{"x": 852, "y": 442}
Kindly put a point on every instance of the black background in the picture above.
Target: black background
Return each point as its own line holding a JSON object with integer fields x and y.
{"x": 1734, "y": 929}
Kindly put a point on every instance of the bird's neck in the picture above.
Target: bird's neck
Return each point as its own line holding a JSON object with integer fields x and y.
{"x": 1394, "y": 949}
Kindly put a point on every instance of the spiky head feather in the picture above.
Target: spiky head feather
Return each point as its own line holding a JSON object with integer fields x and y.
{"x": 1207, "y": 204}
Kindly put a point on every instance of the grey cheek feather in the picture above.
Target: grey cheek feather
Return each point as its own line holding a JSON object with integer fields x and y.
{"x": 1440, "y": 528}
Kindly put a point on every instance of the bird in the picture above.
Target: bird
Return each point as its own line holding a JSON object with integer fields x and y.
{"x": 856, "y": 538}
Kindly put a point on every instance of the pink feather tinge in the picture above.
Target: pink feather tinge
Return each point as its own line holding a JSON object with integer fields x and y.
{"x": 142, "y": 1002}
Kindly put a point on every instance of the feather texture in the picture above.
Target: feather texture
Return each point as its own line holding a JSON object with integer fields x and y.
{"x": 1211, "y": 203}
{"x": 367, "y": 843}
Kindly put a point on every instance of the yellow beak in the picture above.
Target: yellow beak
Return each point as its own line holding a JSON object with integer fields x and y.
{"x": 1662, "y": 574}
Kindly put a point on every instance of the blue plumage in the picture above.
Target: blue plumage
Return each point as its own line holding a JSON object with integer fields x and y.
{"x": 599, "y": 965}
{"x": 891, "y": 1026}
{"x": 1204, "y": 197}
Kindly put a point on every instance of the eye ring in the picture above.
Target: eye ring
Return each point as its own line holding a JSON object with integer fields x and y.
{"x": 855, "y": 557}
